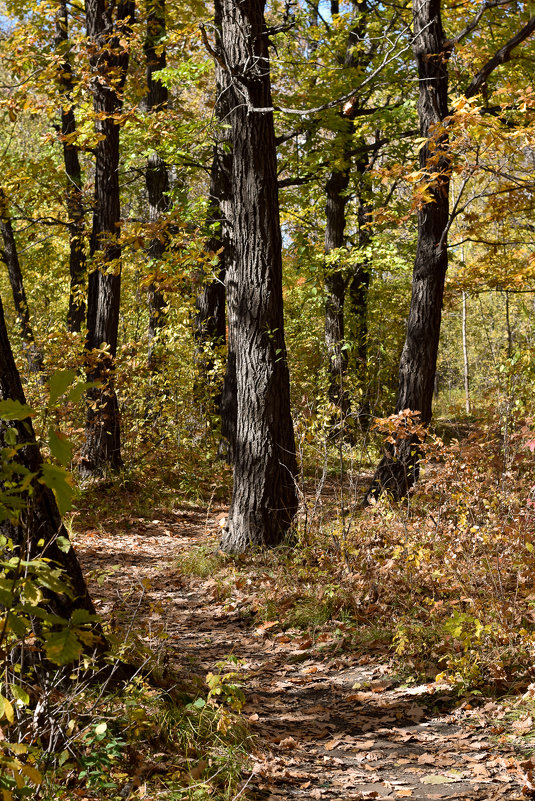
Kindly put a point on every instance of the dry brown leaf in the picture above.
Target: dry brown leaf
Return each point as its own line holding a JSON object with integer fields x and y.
{"x": 426, "y": 759}
{"x": 524, "y": 725}
{"x": 196, "y": 772}
{"x": 332, "y": 744}
{"x": 289, "y": 743}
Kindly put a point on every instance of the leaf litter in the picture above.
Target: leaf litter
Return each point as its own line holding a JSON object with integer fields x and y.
{"x": 328, "y": 723}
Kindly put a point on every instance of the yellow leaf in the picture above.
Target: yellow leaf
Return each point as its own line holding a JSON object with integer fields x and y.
{"x": 6, "y": 710}
{"x": 32, "y": 773}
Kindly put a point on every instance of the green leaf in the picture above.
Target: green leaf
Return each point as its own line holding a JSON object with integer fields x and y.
{"x": 64, "y": 544}
{"x": 15, "y": 410}
{"x": 80, "y": 616}
{"x": 6, "y": 598}
{"x": 31, "y": 593}
{"x": 19, "y": 694}
{"x": 62, "y": 647}
{"x": 59, "y": 383}
{"x": 17, "y": 624}
{"x": 58, "y": 480}
{"x": 78, "y": 390}
{"x": 60, "y": 446}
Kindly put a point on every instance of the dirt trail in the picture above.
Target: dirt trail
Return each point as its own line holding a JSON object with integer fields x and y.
{"x": 329, "y": 725}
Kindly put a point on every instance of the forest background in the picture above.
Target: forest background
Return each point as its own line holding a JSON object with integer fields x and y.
{"x": 117, "y": 219}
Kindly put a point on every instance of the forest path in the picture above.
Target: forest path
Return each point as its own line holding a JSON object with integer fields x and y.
{"x": 329, "y": 724}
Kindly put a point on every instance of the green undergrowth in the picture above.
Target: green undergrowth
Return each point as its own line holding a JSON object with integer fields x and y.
{"x": 179, "y": 742}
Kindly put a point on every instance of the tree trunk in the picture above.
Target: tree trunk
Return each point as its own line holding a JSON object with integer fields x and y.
{"x": 466, "y": 366}
{"x": 264, "y": 499}
{"x": 73, "y": 191}
{"x": 157, "y": 183}
{"x": 357, "y": 291}
{"x": 109, "y": 64}
{"x": 10, "y": 257}
{"x": 336, "y": 280}
{"x": 156, "y": 174}
{"x": 210, "y": 320}
{"x": 398, "y": 470}
{"x": 335, "y": 285}
{"x": 40, "y": 525}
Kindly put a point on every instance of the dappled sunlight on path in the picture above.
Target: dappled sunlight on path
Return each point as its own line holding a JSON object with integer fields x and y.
{"x": 329, "y": 724}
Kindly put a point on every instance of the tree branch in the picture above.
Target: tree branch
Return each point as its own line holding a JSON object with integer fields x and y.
{"x": 501, "y": 57}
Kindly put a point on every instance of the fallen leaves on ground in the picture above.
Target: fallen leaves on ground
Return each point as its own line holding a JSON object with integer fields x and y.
{"x": 329, "y": 723}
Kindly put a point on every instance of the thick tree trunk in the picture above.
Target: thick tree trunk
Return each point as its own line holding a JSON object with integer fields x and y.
{"x": 40, "y": 523}
{"x": 264, "y": 499}
{"x": 156, "y": 174}
{"x": 10, "y": 257}
{"x": 109, "y": 64}
{"x": 73, "y": 191}
{"x": 398, "y": 470}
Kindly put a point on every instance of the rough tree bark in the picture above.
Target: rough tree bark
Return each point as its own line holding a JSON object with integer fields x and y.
{"x": 10, "y": 257}
{"x": 210, "y": 320}
{"x": 399, "y": 467}
{"x": 73, "y": 190}
{"x": 156, "y": 173}
{"x": 357, "y": 292}
{"x": 264, "y": 499}
{"x": 336, "y": 279}
{"x": 109, "y": 64}
{"x": 40, "y": 524}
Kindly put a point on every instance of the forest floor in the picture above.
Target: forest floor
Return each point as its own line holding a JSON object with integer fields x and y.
{"x": 328, "y": 722}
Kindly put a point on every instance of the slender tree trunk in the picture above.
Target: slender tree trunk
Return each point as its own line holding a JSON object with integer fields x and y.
{"x": 10, "y": 257}
{"x": 337, "y": 279}
{"x": 109, "y": 64}
{"x": 210, "y": 320}
{"x": 335, "y": 285}
{"x": 508, "y": 326}
{"x": 156, "y": 174}
{"x": 157, "y": 183}
{"x": 359, "y": 284}
{"x": 264, "y": 499}
{"x": 398, "y": 470}
{"x": 73, "y": 191}
{"x": 40, "y": 524}
{"x": 466, "y": 367}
